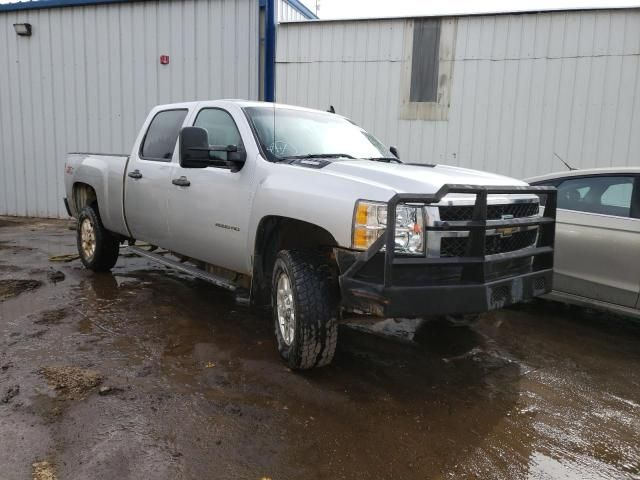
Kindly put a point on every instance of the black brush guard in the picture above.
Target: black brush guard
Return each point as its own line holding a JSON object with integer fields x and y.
{"x": 386, "y": 283}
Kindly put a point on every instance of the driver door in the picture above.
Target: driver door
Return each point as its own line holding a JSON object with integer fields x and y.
{"x": 209, "y": 218}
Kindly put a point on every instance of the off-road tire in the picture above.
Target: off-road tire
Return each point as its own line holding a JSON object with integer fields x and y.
{"x": 315, "y": 306}
{"x": 107, "y": 245}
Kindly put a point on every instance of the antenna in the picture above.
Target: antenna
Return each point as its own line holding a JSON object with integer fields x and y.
{"x": 565, "y": 163}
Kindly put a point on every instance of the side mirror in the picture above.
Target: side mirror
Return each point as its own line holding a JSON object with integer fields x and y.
{"x": 194, "y": 148}
{"x": 394, "y": 151}
{"x": 236, "y": 157}
{"x": 195, "y": 151}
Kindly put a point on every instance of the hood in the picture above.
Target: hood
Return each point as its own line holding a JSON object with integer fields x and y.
{"x": 404, "y": 178}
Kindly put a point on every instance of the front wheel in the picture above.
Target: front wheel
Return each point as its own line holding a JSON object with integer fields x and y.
{"x": 304, "y": 309}
{"x": 97, "y": 246}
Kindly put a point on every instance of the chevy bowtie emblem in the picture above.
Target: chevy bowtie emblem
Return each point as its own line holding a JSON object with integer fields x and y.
{"x": 507, "y": 231}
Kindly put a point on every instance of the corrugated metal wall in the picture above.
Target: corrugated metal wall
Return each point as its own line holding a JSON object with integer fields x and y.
{"x": 88, "y": 76}
{"x": 286, "y": 13}
{"x": 523, "y": 87}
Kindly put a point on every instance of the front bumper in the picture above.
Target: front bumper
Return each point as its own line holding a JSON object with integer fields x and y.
{"x": 378, "y": 281}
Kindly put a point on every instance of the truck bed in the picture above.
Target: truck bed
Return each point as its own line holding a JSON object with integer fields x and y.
{"x": 105, "y": 173}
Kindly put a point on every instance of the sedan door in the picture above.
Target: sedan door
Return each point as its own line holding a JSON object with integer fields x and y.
{"x": 209, "y": 207}
{"x": 598, "y": 238}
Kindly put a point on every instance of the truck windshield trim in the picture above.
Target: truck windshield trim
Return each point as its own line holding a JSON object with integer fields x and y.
{"x": 319, "y": 155}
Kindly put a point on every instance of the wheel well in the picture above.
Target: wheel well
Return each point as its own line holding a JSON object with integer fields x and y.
{"x": 83, "y": 195}
{"x": 282, "y": 233}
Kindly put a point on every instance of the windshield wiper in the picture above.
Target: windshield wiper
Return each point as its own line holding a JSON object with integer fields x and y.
{"x": 318, "y": 155}
{"x": 384, "y": 159}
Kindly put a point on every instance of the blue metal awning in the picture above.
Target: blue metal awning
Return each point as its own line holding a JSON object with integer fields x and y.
{"x": 36, "y": 4}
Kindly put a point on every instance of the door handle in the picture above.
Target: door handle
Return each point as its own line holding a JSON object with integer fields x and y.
{"x": 181, "y": 182}
{"x": 135, "y": 174}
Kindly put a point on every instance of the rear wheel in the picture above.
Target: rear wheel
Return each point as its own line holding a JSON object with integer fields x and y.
{"x": 98, "y": 247}
{"x": 305, "y": 309}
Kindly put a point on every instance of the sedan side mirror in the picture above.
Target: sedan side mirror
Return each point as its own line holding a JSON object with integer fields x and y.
{"x": 394, "y": 151}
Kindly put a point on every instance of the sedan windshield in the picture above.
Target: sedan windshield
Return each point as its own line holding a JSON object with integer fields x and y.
{"x": 287, "y": 133}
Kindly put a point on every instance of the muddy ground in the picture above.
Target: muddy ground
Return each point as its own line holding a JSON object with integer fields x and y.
{"x": 145, "y": 373}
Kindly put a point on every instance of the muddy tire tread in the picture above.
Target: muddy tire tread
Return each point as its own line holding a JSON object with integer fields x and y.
{"x": 107, "y": 244}
{"x": 316, "y": 309}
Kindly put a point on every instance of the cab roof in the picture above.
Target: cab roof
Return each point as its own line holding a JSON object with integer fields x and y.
{"x": 239, "y": 103}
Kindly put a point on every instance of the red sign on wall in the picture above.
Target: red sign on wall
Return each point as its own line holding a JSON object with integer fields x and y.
{"x": 164, "y": 59}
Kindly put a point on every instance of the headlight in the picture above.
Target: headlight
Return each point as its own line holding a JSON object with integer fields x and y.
{"x": 370, "y": 223}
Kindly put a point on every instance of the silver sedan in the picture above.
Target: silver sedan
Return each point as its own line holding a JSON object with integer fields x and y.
{"x": 597, "y": 259}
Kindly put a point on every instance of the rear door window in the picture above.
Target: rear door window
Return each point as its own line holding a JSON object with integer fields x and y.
{"x": 162, "y": 135}
{"x": 604, "y": 195}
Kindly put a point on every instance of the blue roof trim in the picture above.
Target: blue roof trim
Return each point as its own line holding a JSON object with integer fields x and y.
{"x": 302, "y": 8}
{"x": 36, "y": 4}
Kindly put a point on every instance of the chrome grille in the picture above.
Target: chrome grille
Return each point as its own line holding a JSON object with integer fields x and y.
{"x": 457, "y": 246}
{"x": 453, "y": 213}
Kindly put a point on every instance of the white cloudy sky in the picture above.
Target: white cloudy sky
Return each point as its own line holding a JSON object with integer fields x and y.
{"x": 398, "y": 8}
{"x": 392, "y": 8}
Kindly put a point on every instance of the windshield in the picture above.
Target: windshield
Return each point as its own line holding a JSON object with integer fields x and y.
{"x": 286, "y": 132}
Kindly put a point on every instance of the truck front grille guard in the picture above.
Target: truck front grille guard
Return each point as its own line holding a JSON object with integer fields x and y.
{"x": 474, "y": 260}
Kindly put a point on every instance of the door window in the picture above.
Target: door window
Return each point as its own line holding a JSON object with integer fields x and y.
{"x": 161, "y": 137}
{"x": 603, "y": 195}
{"x": 221, "y": 128}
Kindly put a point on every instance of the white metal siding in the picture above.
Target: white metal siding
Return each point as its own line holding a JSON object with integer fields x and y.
{"x": 286, "y": 13}
{"x": 523, "y": 87}
{"x": 88, "y": 76}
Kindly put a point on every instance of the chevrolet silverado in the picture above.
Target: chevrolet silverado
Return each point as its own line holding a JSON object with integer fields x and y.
{"x": 306, "y": 213}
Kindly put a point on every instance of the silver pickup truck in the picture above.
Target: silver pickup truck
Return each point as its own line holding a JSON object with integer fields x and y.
{"x": 306, "y": 213}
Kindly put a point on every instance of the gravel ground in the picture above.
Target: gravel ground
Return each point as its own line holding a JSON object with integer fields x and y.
{"x": 145, "y": 373}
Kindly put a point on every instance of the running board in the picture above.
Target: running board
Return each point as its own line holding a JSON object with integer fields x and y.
{"x": 183, "y": 267}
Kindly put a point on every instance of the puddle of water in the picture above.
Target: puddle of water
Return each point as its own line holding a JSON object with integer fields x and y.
{"x": 525, "y": 393}
{"x": 580, "y": 468}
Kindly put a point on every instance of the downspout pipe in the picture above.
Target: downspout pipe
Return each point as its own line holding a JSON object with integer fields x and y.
{"x": 270, "y": 52}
